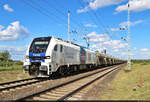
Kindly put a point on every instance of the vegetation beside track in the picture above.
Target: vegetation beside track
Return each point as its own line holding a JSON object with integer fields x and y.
{"x": 10, "y": 70}
{"x": 142, "y": 62}
{"x": 7, "y": 64}
{"x": 6, "y": 76}
{"x": 127, "y": 85}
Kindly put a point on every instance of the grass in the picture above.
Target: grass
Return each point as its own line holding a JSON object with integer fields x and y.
{"x": 6, "y": 76}
{"x": 12, "y": 73}
{"x": 10, "y": 68}
{"x": 126, "y": 85}
{"x": 142, "y": 62}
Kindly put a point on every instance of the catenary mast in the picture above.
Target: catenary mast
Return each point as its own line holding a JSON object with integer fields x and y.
{"x": 69, "y": 26}
{"x": 128, "y": 39}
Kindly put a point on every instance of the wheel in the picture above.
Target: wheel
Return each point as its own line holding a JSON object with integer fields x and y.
{"x": 61, "y": 71}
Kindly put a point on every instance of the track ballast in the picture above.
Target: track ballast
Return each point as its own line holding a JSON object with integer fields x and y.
{"x": 66, "y": 90}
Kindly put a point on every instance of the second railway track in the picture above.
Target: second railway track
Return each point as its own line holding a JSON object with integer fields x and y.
{"x": 66, "y": 90}
{"x": 19, "y": 83}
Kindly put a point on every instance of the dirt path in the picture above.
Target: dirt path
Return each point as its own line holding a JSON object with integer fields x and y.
{"x": 99, "y": 88}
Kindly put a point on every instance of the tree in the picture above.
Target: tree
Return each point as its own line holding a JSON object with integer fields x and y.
{"x": 5, "y": 56}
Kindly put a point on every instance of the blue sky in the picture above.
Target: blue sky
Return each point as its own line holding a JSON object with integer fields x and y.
{"x": 100, "y": 20}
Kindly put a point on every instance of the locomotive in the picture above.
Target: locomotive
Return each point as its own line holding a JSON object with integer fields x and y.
{"x": 48, "y": 55}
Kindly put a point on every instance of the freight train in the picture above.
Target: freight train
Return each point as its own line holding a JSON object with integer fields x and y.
{"x": 48, "y": 55}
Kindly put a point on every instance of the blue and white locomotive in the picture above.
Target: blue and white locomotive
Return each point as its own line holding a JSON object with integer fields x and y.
{"x": 47, "y": 55}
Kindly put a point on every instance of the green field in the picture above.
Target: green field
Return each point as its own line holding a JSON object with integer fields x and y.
{"x": 10, "y": 68}
{"x": 126, "y": 85}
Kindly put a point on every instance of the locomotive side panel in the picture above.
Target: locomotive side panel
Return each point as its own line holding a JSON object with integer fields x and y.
{"x": 71, "y": 56}
{"x": 90, "y": 57}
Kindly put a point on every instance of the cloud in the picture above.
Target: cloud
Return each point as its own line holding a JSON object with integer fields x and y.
{"x": 90, "y": 25}
{"x": 116, "y": 47}
{"x": 82, "y": 10}
{"x": 95, "y": 4}
{"x": 103, "y": 41}
{"x": 115, "y": 44}
{"x": 124, "y": 53}
{"x": 94, "y": 37}
{"x": 12, "y": 48}
{"x": 102, "y": 3}
{"x": 124, "y": 24}
{"x": 143, "y": 53}
{"x": 115, "y": 29}
{"x": 115, "y": 50}
{"x": 13, "y": 32}
{"x": 7, "y": 8}
{"x": 118, "y": 29}
{"x": 144, "y": 50}
{"x": 16, "y": 52}
{"x": 113, "y": 47}
{"x": 135, "y": 6}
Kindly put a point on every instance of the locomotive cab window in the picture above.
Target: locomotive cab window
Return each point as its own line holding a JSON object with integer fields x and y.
{"x": 39, "y": 45}
{"x": 61, "y": 48}
{"x": 55, "y": 48}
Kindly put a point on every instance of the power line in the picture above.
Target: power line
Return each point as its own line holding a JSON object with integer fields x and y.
{"x": 97, "y": 18}
{"x": 104, "y": 27}
{"x": 64, "y": 15}
{"x": 73, "y": 20}
{"x": 108, "y": 31}
{"x": 92, "y": 19}
{"x": 79, "y": 24}
{"x": 37, "y": 9}
{"x": 49, "y": 4}
{"x": 46, "y": 12}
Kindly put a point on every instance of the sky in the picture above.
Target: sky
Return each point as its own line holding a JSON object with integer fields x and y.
{"x": 104, "y": 22}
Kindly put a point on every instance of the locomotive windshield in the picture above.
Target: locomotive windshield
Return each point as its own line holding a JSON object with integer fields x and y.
{"x": 39, "y": 45}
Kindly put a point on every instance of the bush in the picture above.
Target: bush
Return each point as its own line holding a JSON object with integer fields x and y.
{"x": 6, "y": 63}
{"x": 18, "y": 63}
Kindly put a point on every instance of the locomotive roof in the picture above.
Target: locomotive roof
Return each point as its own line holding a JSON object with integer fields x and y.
{"x": 72, "y": 43}
{"x": 49, "y": 37}
{"x": 43, "y": 38}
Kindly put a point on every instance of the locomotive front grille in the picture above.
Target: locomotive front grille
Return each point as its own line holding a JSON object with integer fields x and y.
{"x": 39, "y": 58}
{"x": 36, "y": 58}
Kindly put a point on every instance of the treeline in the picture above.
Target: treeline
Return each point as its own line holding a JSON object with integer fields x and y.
{"x": 6, "y": 61}
{"x": 141, "y": 61}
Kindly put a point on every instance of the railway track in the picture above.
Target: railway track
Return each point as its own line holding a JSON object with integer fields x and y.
{"x": 67, "y": 90}
{"x": 19, "y": 83}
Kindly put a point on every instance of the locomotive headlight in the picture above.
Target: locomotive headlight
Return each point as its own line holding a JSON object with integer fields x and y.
{"x": 27, "y": 57}
{"x": 47, "y": 57}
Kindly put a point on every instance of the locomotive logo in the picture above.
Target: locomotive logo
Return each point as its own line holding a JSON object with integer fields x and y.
{"x": 36, "y": 54}
{"x": 36, "y": 57}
